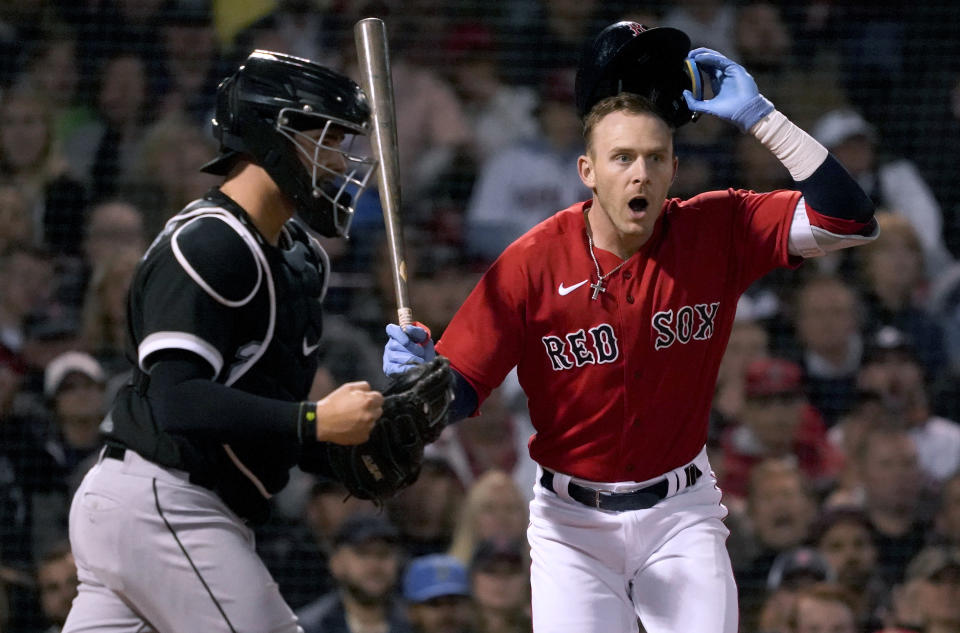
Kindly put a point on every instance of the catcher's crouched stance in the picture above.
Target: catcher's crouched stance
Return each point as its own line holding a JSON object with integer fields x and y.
{"x": 415, "y": 410}
{"x": 224, "y": 322}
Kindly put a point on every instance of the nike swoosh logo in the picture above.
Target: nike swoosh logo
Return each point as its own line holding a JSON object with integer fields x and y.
{"x": 565, "y": 290}
{"x": 309, "y": 349}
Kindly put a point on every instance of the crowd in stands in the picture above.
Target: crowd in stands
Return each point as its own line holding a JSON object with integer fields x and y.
{"x": 834, "y": 433}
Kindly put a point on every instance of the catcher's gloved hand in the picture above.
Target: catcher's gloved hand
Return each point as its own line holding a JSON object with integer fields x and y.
{"x": 415, "y": 409}
{"x": 736, "y": 98}
{"x": 406, "y": 347}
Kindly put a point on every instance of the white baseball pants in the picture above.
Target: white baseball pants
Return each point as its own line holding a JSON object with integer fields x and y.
{"x": 595, "y": 571}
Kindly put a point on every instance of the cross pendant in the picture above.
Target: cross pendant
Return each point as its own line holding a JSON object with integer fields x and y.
{"x": 597, "y": 289}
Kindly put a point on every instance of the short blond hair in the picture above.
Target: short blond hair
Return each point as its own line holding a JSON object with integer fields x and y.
{"x": 623, "y": 102}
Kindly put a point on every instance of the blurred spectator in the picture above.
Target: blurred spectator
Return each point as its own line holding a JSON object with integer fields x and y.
{"x": 764, "y": 44}
{"x": 931, "y": 127}
{"x": 500, "y": 578}
{"x": 797, "y": 568}
{"x": 425, "y": 512}
{"x": 552, "y": 36}
{"x": 893, "y": 183}
{"x": 437, "y": 591}
{"x": 780, "y": 510}
{"x": 892, "y": 370}
{"x": 927, "y": 600}
{"x": 529, "y": 180}
{"x": 31, "y": 161}
{"x": 57, "y": 583}
{"x": 494, "y": 509}
{"x": 49, "y": 333}
{"x": 827, "y": 318}
{"x": 776, "y": 421}
{"x": 21, "y": 25}
{"x": 442, "y": 283}
{"x": 892, "y": 269}
{"x": 847, "y": 435}
{"x": 709, "y": 23}
{"x": 53, "y": 69}
{"x": 297, "y": 28}
{"x": 946, "y": 521}
{"x": 824, "y": 608}
{"x": 109, "y": 27}
{"x": 191, "y": 58}
{"x": 163, "y": 174}
{"x": 16, "y": 225}
{"x": 111, "y": 225}
{"x": 297, "y": 554}
{"x": 31, "y": 492}
{"x": 890, "y": 479}
{"x": 364, "y": 562}
{"x": 499, "y": 113}
{"x": 844, "y": 536}
{"x": 105, "y": 310}
{"x": 125, "y": 104}
{"x": 756, "y": 168}
{"x": 793, "y": 572}
{"x": 944, "y": 307}
{"x": 494, "y": 440}
{"x": 26, "y": 283}
{"x": 75, "y": 385}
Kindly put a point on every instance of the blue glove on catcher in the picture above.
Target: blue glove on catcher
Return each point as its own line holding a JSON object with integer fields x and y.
{"x": 736, "y": 98}
{"x": 405, "y": 348}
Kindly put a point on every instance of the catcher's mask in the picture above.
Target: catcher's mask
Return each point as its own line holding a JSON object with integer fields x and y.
{"x": 297, "y": 120}
{"x": 651, "y": 62}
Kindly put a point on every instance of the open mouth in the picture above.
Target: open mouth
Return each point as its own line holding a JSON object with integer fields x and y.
{"x": 638, "y": 204}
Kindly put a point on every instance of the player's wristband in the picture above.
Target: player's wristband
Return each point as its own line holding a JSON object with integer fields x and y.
{"x": 307, "y": 422}
{"x": 799, "y": 152}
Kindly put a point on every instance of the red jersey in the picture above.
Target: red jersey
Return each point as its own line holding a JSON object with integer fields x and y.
{"x": 619, "y": 388}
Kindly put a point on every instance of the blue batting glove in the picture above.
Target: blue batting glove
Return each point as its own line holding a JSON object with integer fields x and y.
{"x": 405, "y": 348}
{"x": 736, "y": 98}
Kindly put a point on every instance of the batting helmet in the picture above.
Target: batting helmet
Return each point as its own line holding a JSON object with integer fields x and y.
{"x": 651, "y": 62}
{"x": 264, "y": 111}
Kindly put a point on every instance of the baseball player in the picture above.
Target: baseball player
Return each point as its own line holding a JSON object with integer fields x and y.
{"x": 616, "y": 312}
{"x": 224, "y": 322}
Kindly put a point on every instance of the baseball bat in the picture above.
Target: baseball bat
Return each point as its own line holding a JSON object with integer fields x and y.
{"x": 370, "y": 35}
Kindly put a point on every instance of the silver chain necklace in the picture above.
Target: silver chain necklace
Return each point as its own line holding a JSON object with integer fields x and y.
{"x": 598, "y": 287}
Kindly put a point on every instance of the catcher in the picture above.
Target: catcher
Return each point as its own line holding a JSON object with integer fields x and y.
{"x": 224, "y": 324}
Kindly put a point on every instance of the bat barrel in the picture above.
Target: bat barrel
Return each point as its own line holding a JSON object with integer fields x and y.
{"x": 370, "y": 35}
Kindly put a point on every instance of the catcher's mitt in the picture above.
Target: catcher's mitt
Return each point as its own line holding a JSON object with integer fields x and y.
{"x": 415, "y": 408}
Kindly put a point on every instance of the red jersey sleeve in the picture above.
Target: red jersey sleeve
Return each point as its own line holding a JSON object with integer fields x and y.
{"x": 484, "y": 339}
{"x": 758, "y": 225}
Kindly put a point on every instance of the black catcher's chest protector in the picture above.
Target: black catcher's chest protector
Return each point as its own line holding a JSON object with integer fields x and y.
{"x": 211, "y": 285}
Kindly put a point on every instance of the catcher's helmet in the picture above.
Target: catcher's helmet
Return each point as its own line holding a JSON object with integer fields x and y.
{"x": 264, "y": 111}
{"x": 652, "y": 62}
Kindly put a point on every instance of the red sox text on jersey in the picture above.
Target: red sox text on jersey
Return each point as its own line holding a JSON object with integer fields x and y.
{"x": 576, "y": 349}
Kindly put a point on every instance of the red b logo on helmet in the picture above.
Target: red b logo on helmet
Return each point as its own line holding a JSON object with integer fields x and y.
{"x": 637, "y": 28}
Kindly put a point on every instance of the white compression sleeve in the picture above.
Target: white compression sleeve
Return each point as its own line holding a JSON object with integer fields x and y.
{"x": 799, "y": 152}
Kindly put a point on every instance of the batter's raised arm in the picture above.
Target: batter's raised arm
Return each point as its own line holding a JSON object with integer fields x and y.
{"x": 835, "y": 211}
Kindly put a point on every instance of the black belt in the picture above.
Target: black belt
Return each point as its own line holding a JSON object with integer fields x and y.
{"x": 621, "y": 501}
{"x": 114, "y": 451}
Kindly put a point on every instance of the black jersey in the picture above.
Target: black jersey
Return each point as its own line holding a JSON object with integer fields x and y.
{"x": 211, "y": 285}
